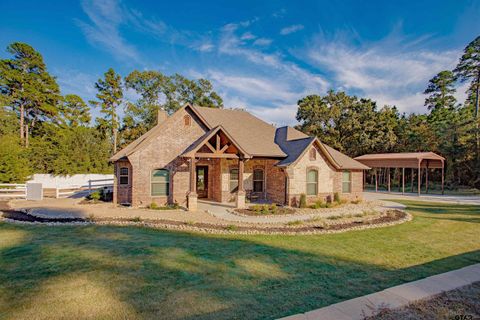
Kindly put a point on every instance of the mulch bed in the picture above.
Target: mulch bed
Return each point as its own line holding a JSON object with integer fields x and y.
{"x": 394, "y": 215}
{"x": 280, "y": 211}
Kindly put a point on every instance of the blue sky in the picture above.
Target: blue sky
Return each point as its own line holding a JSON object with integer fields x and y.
{"x": 262, "y": 56}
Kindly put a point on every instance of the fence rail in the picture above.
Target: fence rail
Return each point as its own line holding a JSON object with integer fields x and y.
{"x": 9, "y": 190}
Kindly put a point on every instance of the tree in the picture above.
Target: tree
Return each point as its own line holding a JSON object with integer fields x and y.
{"x": 344, "y": 122}
{"x": 158, "y": 91}
{"x": 27, "y": 88}
{"x": 110, "y": 95}
{"x": 440, "y": 90}
{"x": 468, "y": 69}
{"x": 73, "y": 111}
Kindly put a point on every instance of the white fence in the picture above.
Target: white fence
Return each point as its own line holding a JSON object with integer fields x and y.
{"x": 49, "y": 181}
{"x": 13, "y": 190}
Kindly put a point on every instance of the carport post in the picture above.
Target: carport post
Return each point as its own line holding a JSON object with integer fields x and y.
{"x": 419, "y": 177}
{"x": 376, "y": 180}
{"x": 388, "y": 179}
{"x": 442, "y": 176}
{"x": 426, "y": 178}
{"x": 403, "y": 180}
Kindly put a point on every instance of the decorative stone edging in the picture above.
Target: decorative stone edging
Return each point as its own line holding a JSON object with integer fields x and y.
{"x": 193, "y": 228}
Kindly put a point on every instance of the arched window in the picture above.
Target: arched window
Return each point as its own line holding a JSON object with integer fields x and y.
{"x": 160, "y": 182}
{"x": 187, "y": 120}
{"x": 233, "y": 179}
{"x": 313, "y": 154}
{"x": 312, "y": 182}
{"x": 258, "y": 178}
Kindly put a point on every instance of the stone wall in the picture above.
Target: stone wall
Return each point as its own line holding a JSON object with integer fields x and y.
{"x": 329, "y": 179}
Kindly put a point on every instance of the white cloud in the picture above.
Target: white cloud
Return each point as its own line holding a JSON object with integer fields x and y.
{"x": 291, "y": 29}
{"x": 103, "y": 29}
{"x": 393, "y": 71}
{"x": 247, "y": 36}
{"x": 205, "y": 47}
{"x": 262, "y": 42}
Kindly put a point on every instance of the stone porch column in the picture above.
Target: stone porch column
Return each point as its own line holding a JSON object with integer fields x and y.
{"x": 192, "y": 194}
{"x": 241, "y": 191}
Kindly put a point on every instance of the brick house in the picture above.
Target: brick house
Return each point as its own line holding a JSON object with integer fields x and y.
{"x": 227, "y": 155}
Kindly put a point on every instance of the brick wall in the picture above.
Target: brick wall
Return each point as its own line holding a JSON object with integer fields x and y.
{"x": 162, "y": 153}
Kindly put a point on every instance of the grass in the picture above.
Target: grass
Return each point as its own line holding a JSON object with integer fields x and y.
{"x": 106, "y": 272}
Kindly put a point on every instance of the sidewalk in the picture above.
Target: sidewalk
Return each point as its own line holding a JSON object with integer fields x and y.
{"x": 395, "y": 297}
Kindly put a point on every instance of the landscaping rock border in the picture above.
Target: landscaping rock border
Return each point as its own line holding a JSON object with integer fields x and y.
{"x": 24, "y": 217}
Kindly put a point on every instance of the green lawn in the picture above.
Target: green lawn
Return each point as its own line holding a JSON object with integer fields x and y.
{"x": 114, "y": 272}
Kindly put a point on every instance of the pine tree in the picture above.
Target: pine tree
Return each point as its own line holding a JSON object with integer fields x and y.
{"x": 110, "y": 98}
{"x": 73, "y": 111}
{"x": 440, "y": 90}
{"x": 27, "y": 88}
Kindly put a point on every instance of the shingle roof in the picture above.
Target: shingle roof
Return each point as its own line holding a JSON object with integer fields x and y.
{"x": 252, "y": 134}
{"x": 344, "y": 161}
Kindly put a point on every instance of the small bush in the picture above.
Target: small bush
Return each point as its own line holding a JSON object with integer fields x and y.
{"x": 95, "y": 196}
{"x": 136, "y": 219}
{"x": 153, "y": 206}
{"x": 303, "y": 200}
{"x": 295, "y": 223}
{"x": 334, "y": 217}
{"x": 190, "y": 223}
{"x": 91, "y": 217}
{"x": 357, "y": 201}
{"x": 336, "y": 197}
{"x": 273, "y": 208}
{"x": 231, "y": 227}
{"x": 257, "y": 208}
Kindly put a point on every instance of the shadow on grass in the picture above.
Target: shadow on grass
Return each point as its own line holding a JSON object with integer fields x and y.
{"x": 172, "y": 275}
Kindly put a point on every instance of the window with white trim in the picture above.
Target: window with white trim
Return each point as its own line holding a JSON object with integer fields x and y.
{"x": 160, "y": 182}
{"x": 346, "y": 182}
{"x": 312, "y": 182}
{"x": 233, "y": 179}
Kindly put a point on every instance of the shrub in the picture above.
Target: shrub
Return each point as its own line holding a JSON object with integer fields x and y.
{"x": 231, "y": 227}
{"x": 357, "y": 201}
{"x": 257, "y": 208}
{"x": 336, "y": 197}
{"x": 153, "y": 206}
{"x": 91, "y": 217}
{"x": 295, "y": 223}
{"x": 303, "y": 200}
{"x": 95, "y": 196}
{"x": 136, "y": 219}
{"x": 273, "y": 208}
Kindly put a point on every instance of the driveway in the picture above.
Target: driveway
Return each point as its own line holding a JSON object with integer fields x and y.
{"x": 468, "y": 200}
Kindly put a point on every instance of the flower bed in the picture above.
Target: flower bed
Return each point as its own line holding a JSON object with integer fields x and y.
{"x": 265, "y": 209}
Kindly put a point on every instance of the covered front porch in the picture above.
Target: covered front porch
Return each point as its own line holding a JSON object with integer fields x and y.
{"x": 208, "y": 160}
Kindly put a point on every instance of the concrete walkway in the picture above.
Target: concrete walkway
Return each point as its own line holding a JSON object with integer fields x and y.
{"x": 223, "y": 211}
{"x": 394, "y": 297}
{"x": 468, "y": 200}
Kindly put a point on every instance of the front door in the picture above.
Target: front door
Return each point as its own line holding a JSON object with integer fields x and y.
{"x": 202, "y": 181}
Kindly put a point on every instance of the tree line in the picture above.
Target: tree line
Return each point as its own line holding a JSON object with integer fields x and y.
{"x": 357, "y": 126}
{"x": 44, "y": 131}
